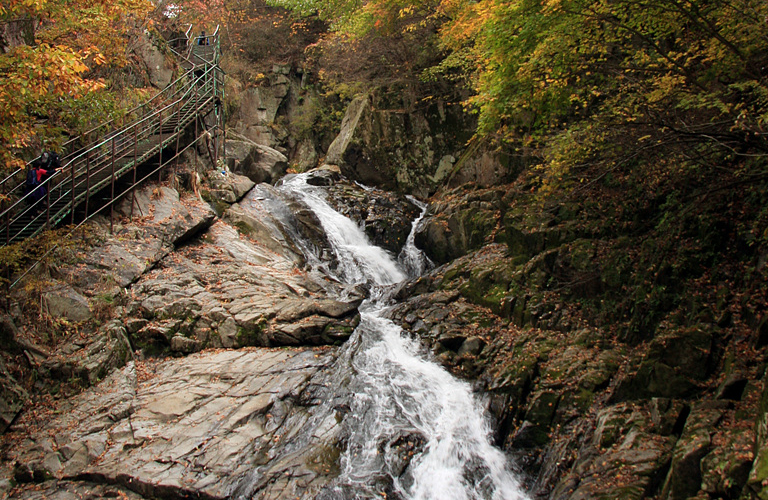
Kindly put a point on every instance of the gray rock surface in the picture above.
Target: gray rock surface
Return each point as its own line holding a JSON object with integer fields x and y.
{"x": 63, "y": 301}
{"x": 258, "y": 162}
{"x": 163, "y": 220}
{"x": 256, "y": 116}
{"x": 209, "y": 425}
{"x": 340, "y": 146}
{"x": 159, "y": 68}
{"x": 12, "y": 397}
{"x": 91, "y": 356}
{"x": 231, "y": 292}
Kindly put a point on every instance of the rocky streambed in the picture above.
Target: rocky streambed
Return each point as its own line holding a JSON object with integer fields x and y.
{"x": 265, "y": 352}
{"x": 209, "y": 349}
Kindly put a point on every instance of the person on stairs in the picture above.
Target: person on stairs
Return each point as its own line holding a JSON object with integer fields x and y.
{"x": 39, "y": 171}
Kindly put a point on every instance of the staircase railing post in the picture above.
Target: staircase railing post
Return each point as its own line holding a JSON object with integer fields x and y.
{"x": 135, "y": 159}
{"x": 216, "y": 115}
{"x": 160, "y": 159}
{"x": 47, "y": 205}
{"x": 112, "y": 194}
{"x": 178, "y": 137}
{"x": 87, "y": 182}
{"x": 7, "y": 287}
{"x": 72, "y": 208}
{"x": 197, "y": 101}
{"x": 6, "y": 202}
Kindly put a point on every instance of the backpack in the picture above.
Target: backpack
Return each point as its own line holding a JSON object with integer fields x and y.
{"x": 32, "y": 181}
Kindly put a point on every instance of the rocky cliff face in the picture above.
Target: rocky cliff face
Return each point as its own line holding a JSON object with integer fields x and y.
{"x": 587, "y": 411}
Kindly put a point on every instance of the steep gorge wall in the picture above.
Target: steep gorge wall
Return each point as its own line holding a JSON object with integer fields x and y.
{"x": 530, "y": 305}
{"x": 392, "y": 138}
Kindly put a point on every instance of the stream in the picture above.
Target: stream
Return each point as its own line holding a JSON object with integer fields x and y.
{"x": 413, "y": 430}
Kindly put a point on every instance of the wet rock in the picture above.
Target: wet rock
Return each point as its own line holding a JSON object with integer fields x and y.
{"x": 405, "y": 447}
{"x": 387, "y": 218}
{"x": 278, "y": 222}
{"x": 326, "y": 175}
{"x": 244, "y": 411}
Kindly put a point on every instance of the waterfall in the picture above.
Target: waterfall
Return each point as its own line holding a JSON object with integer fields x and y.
{"x": 359, "y": 261}
{"x": 414, "y": 430}
{"x": 411, "y": 258}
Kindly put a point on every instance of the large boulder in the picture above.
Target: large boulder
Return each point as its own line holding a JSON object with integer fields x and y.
{"x": 63, "y": 301}
{"x": 159, "y": 67}
{"x": 349, "y": 127}
{"x": 388, "y": 139}
{"x": 258, "y": 162}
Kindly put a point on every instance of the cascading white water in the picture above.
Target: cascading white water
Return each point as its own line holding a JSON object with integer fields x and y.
{"x": 359, "y": 261}
{"x": 400, "y": 396}
{"x": 411, "y": 258}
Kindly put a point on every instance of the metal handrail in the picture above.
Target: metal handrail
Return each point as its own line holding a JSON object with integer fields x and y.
{"x": 71, "y": 142}
{"x": 91, "y": 168}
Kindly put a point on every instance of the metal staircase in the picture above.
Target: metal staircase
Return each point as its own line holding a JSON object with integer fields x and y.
{"x": 110, "y": 166}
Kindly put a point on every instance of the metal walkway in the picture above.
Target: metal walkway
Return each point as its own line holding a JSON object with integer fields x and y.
{"x": 110, "y": 162}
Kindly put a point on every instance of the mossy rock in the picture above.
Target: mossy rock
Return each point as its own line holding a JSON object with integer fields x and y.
{"x": 542, "y": 409}
{"x": 252, "y": 336}
{"x": 726, "y": 468}
{"x": 757, "y": 482}
{"x": 685, "y": 473}
{"x": 655, "y": 379}
{"x": 674, "y": 365}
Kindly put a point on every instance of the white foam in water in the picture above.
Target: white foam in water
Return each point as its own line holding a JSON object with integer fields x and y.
{"x": 411, "y": 258}
{"x": 403, "y": 398}
{"x": 358, "y": 259}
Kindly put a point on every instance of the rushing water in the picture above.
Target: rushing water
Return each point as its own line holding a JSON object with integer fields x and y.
{"x": 412, "y": 425}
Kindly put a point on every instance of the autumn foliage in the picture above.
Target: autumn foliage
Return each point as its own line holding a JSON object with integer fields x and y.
{"x": 49, "y": 49}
